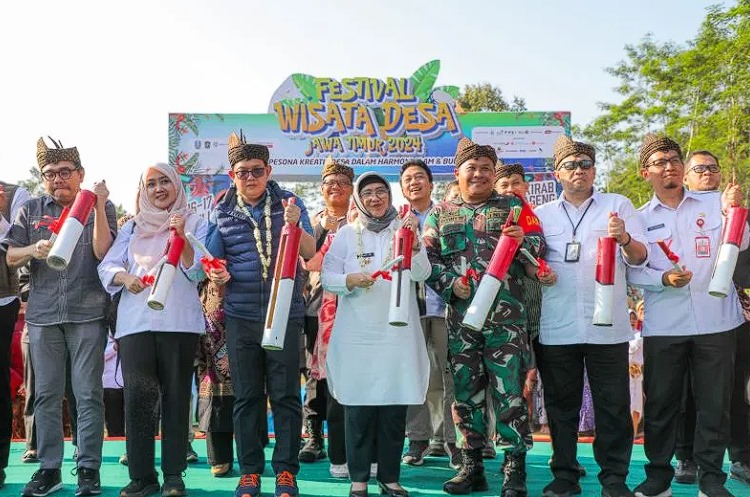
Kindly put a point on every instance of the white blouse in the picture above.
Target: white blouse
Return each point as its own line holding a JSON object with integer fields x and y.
{"x": 182, "y": 311}
{"x": 369, "y": 361}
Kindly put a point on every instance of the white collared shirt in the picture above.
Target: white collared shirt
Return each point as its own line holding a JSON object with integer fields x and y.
{"x": 689, "y": 310}
{"x": 568, "y": 306}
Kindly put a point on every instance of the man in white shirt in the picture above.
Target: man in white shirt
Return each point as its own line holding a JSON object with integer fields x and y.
{"x": 685, "y": 328}
{"x": 569, "y": 341}
{"x": 11, "y": 199}
{"x": 703, "y": 174}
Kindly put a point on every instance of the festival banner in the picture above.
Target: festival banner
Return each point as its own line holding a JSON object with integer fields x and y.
{"x": 367, "y": 123}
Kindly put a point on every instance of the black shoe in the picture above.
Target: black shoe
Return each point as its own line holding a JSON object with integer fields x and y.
{"x": 514, "y": 479}
{"x": 740, "y": 471}
{"x": 88, "y": 482}
{"x": 685, "y": 472}
{"x": 358, "y": 493}
{"x": 142, "y": 487}
{"x": 415, "y": 453}
{"x": 714, "y": 491}
{"x": 313, "y": 449}
{"x": 43, "y": 482}
{"x": 436, "y": 449}
{"x": 618, "y": 489}
{"x": 191, "y": 456}
{"x": 561, "y": 488}
{"x": 392, "y": 492}
{"x": 653, "y": 488}
{"x": 471, "y": 478}
{"x": 173, "y": 486}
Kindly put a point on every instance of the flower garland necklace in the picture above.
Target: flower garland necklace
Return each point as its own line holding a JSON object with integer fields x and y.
{"x": 365, "y": 261}
{"x": 265, "y": 256}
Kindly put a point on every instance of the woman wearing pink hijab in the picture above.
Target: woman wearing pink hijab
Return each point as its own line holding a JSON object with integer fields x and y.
{"x": 156, "y": 347}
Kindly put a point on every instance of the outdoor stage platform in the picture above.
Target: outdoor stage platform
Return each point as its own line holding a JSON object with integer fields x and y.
{"x": 314, "y": 479}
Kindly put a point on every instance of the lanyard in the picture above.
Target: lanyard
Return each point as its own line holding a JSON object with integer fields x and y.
{"x": 575, "y": 226}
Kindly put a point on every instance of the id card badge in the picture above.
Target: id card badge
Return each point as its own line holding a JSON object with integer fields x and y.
{"x": 572, "y": 252}
{"x": 702, "y": 247}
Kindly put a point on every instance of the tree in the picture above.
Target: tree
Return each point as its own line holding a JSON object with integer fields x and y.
{"x": 699, "y": 94}
{"x": 34, "y": 184}
{"x": 484, "y": 97}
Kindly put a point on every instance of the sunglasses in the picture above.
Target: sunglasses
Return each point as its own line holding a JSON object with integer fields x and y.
{"x": 572, "y": 165}
{"x": 63, "y": 173}
{"x": 256, "y": 172}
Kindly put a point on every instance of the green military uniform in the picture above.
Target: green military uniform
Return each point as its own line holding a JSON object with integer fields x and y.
{"x": 501, "y": 352}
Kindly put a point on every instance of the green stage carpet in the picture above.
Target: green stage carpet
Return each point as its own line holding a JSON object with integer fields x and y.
{"x": 314, "y": 479}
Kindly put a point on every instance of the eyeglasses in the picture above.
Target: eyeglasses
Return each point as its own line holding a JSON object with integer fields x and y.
{"x": 368, "y": 194}
{"x": 256, "y": 172}
{"x": 63, "y": 173}
{"x": 572, "y": 165}
{"x": 330, "y": 183}
{"x": 663, "y": 163}
{"x": 702, "y": 168}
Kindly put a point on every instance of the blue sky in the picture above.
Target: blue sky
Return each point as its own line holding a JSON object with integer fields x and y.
{"x": 104, "y": 77}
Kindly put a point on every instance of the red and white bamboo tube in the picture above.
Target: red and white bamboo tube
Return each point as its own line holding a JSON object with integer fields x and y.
{"x": 492, "y": 279}
{"x": 66, "y": 240}
{"x": 398, "y": 311}
{"x": 731, "y": 238}
{"x": 277, "y": 315}
{"x": 165, "y": 276}
{"x": 604, "y": 286}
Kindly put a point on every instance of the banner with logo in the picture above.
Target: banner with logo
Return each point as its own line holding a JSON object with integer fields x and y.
{"x": 371, "y": 124}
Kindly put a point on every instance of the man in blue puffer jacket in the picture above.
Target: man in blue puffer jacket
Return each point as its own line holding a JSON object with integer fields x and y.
{"x": 245, "y": 229}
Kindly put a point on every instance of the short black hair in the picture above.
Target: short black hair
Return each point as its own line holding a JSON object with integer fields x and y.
{"x": 417, "y": 163}
{"x": 701, "y": 152}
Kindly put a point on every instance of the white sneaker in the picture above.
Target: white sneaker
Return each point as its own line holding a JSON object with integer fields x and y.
{"x": 373, "y": 470}
{"x": 339, "y": 471}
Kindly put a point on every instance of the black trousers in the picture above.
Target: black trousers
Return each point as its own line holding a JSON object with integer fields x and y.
{"x": 364, "y": 426}
{"x": 562, "y": 368}
{"x": 336, "y": 430}
{"x": 255, "y": 372}
{"x": 316, "y": 391}
{"x": 157, "y": 368}
{"x": 8, "y": 316}
{"x": 666, "y": 361}
{"x": 739, "y": 410}
{"x": 220, "y": 447}
{"x": 114, "y": 412}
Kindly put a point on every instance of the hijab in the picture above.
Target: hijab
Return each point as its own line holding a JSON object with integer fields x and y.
{"x": 374, "y": 224}
{"x": 151, "y": 231}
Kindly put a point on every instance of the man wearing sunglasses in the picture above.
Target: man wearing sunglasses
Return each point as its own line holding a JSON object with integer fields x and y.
{"x": 685, "y": 330}
{"x": 65, "y": 319}
{"x": 703, "y": 174}
{"x": 245, "y": 229}
{"x": 568, "y": 339}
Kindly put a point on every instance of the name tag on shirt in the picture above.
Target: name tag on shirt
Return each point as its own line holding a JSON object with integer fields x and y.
{"x": 655, "y": 227}
{"x": 702, "y": 247}
{"x": 572, "y": 252}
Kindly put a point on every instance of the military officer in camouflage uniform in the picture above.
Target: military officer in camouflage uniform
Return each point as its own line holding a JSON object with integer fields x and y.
{"x": 499, "y": 354}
